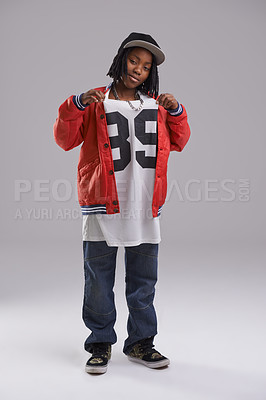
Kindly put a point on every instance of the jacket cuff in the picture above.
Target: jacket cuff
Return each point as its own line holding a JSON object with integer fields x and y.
{"x": 177, "y": 111}
{"x": 78, "y": 103}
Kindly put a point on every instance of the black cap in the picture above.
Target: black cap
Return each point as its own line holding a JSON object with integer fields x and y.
{"x": 136, "y": 39}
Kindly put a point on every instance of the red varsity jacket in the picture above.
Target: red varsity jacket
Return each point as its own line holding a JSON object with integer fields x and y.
{"x": 97, "y": 191}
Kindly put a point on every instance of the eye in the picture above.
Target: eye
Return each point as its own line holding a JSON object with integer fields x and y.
{"x": 146, "y": 68}
{"x": 133, "y": 61}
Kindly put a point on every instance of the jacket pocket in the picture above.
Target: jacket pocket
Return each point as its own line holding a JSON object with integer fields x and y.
{"x": 86, "y": 169}
{"x": 91, "y": 182}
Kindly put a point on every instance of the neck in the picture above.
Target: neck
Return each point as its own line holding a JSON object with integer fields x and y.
{"x": 125, "y": 93}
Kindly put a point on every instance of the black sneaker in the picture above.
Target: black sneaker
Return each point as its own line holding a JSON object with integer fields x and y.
{"x": 144, "y": 353}
{"x": 101, "y": 354}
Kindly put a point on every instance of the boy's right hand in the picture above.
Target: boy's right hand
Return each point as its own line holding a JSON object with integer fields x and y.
{"x": 92, "y": 96}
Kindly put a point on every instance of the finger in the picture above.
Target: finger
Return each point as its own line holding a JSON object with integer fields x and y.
{"x": 169, "y": 104}
{"x": 160, "y": 99}
{"x": 166, "y": 101}
{"x": 97, "y": 95}
{"x": 171, "y": 101}
{"x": 93, "y": 99}
{"x": 101, "y": 95}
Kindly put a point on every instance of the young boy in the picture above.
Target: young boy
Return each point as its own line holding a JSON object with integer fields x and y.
{"x": 127, "y": 132}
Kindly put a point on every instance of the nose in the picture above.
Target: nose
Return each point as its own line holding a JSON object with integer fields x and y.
{"x": 137, "y": 70}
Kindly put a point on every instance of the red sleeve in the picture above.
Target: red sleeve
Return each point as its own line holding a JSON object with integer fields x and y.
{"x": 179, "y": 130}
{"x": 69, "y": 125}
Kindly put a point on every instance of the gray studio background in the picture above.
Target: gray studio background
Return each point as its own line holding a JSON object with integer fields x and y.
{"x": 211, "y": 290}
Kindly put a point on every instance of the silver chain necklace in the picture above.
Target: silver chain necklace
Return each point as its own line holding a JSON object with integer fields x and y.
{"x": 137, "y": 96}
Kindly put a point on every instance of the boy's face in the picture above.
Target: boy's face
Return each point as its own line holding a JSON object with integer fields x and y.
{"x": 139, "y": 63}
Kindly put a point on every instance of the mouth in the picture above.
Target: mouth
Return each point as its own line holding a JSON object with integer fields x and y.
{"x": 135, "y": 80}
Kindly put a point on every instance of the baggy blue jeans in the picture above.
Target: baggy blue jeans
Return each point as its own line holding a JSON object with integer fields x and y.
{"x": 99, "y": 311}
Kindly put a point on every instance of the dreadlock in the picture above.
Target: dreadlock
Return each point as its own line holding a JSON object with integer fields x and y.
{"x": 118, "y": 68}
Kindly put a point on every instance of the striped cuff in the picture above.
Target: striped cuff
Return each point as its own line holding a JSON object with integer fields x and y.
{"x": 78, "y": 103}
{"x": 94, "y": 209}
{"x": 177, "y": 111}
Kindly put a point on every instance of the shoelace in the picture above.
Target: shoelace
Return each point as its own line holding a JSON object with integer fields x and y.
{"x": 99, "y": 350}
{"x": 147, "y": 346}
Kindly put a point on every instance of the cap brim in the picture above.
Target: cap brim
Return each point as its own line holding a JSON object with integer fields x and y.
{"x": 159, "y": 55}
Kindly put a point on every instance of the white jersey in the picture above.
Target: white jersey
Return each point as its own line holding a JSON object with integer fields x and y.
{"x": 133, "y": 139}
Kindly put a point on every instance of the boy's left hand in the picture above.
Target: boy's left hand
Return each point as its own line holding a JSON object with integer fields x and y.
{"x": 167, "y": 100}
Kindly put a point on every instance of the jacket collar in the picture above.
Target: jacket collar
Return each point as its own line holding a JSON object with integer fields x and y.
{"x": 107, "y": 87}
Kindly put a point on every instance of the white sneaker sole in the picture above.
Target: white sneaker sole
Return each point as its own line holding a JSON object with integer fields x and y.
{"x": 95, "y": 370}
{"x": 154, "y": 364}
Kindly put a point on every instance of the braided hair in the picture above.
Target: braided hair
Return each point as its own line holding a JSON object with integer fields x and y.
{"x": 118, "y": 68}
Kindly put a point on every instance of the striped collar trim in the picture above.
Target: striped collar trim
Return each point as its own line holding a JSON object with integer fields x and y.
{"x": 159, "y": 211}
{"x": 108, "y": 87}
